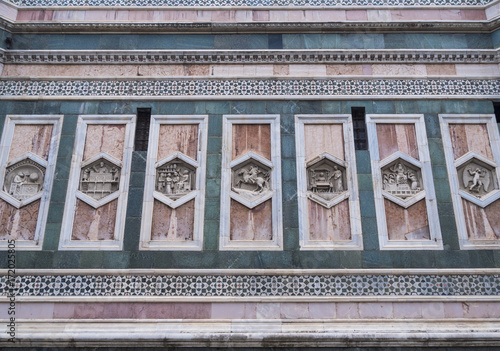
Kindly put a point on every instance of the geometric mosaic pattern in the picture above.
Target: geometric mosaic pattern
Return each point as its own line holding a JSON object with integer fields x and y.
{"x": 252, "y": 87}
{"x": 256, "y": 285}
{"x": 219, "y": 3}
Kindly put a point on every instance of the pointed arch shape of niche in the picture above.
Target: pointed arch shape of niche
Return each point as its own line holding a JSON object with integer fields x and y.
{"x": 96, "y": 200}
{"x": 472, "y": 151}
{"x": 329, "y": 212}
{"x": 28, "y": 153}
{"x": 174, "y": 191}
{"x": 251, "y": 207}
{"x": 405, "y": 200}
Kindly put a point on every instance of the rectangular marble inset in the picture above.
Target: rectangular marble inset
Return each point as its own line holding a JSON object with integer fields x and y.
{"x": 251, "y": 183}
{"x": 472, "y": 150}
{"x": 329, "y": 213}
{"x": 28, "y": 154}
{"x": 174, "y": 204}
{"x": 405, "y": 201}
{"x": 96, "y": 201}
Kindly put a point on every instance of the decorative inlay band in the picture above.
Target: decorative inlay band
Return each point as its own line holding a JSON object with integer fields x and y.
{"x": 256, "y": 285}
{"x": 246, "y": 56}
{"x": 230, "y": 3}
{"x": 250, "y": 87}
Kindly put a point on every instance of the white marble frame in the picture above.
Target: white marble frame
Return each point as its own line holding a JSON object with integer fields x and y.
{"x": 435, "y": 242}
{"x": 225, "y": 243}
{"x": 146, "y": 243}
{"x": 456, "y": 194}
{"x": 8, "y": 133}
{"x": 356, "y": 242}
{"x": 65, "y": 242}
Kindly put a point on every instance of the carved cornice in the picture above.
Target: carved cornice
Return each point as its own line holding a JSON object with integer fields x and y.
{"x": 246, "y": 56}
{"x": 288, "y": 27}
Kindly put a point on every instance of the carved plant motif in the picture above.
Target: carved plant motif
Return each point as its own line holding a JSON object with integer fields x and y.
{"x": 100, "y": 179}
{"x": 175, "y": 179}
{"x": 401, "y": 179}
{"x": 477, "y": 178}
{"x": 24, "y": 179}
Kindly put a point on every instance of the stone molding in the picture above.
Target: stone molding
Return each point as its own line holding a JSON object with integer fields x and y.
{"x": 247, "y": 56}
{"x": 289, "y": 27}
{"x": 259, "y": 88}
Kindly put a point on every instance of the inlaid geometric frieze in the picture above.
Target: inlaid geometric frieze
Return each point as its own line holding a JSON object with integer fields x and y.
{"x": 28, "y": 152}
{"x": 405, "y": 201}
{"x": 24, "y": 178}
{"x": 329, "y": 213}
{"x": 472, "y": 150}
{"x": 100, "y": 177}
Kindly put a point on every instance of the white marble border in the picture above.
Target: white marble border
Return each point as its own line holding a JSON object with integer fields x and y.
{"x": 65, "y": 242}
{"x": 356, "y": 243}
{"x": 493, "y": 133}
{"x": 435, "y": 242}
{"x": 225, "y": 243}
{"x": 8, "y": 133}
{"x": 146, "y": 242}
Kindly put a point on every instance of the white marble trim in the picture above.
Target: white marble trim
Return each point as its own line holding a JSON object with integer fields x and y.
{"x": 50, "y": 164}
{"x": 457, "y": 195}
{"x": 225, "y": 243}
{"x": 65, "y": 242}
{"x": 146, "y": 243}
{"x": 435, "y": 242}
{"x": 356, "y": 243}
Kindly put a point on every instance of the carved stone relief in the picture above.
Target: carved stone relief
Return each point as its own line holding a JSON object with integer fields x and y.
{"x": 100, "y": 179}
{"x": 326, "y": 179}
{"x": 24, "y": 179}
{"x": 251, "y": 179}
{"x": 477, "y": 178}
{"x": 175, "y": 179}
{"x": 401, "y": 179}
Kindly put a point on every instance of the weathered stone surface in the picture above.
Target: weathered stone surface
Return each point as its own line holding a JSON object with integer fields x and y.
{"x": 108, "y": 138}
{"x": 321, "y": 138}
{"x": 34, "y": 138}
{"x": 251, "y": 137}
{"x": 18, "y": 224}
{"x": 178, "y": 138}
{"x": 407, "y": 224}
{"x": 94, "y": 224}
{"x": 397, "y": 137}
{"x": 482, "y": 223}
{"x": 173, "y": 224}
{"x": 327, "y": 224}
{"x": 470, "y": 137}
{"x": 251, "y": 224}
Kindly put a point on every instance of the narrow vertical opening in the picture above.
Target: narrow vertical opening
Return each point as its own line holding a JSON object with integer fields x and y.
{"x": 359, "y": 126}
{"x": 142, "y": 129}
{"x": 496, "y": 106}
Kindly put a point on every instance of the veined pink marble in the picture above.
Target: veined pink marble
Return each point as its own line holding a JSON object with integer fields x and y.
{"x": 397, "y": 137}
{"x": 92, "y": 224}
{"x": 320, "y": 138}
{"x": 108, "y": 138}
{"x": 18, "y": 224}
{"x": 329, "y": 224}
{"x": 34, "y": 138}
{"x": 173, "y": 224}
{"x": 251, "y": 224}
{"x": 178, "y": 138}
{"x": 251, "y": 137}
{"x": 482, "y": 223}
{"x": 470, "y": 137}
{"x": 406, "y": 224}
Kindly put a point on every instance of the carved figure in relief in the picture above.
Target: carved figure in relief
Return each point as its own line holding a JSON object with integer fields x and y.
{"x": 175, "y": 179}
{"x": 326, "y": 179}
{"x": 24, "y": 179}
{"x": 401, "y": 180}
{"x": 475, "y": 178}
{"x": 251, "y": 176}
{"x": 336, "y": 183}
{"x": 99, "y": 179}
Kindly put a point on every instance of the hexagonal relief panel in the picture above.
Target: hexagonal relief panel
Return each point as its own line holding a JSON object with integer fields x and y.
{"x": 175, "y": 179}
{"x": 251, "y": 179}
{"x": 477, "y": 178}
{"x": 24, "y": 179}
{"x": 100, "y": 179}
{"x": 326, "y": 178}
{"x": 401, "y": 179}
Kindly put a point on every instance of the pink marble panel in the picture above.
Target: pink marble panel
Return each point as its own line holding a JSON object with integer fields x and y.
{"x": 268, "y": 311}
{"x": 407, "y": 224}
{"x": 222, "y": 16}
{"x": 416, "y": 15}
{"x": 26, "y": 310}
{"x": 397, "y": 137}
{"x": 251, "y": 224}
{"x": 178, "y": 138}
{"x": 433, "y": 310}
{"x": 173, "y": 224}
{"x": 153, "y": 310}
{"x": 329, "y": 224}
{"x": 470, "y": 137}
{"x": 8, "y": 10}
{"x": 251, "y": 137}
{"x": 35, "y": 15}
{"x": 181, "y": 16}
{"x": 34, "y": 138}
{"x": 251, "y": 310}
{"x": 453, "y": 309}
{"x": 405, "y": 310}
{"x": 118, "y": 310}
{"x": 379, "y": 15}
{"x": 294, "y": 310}
{"x": 108, "y": 138}
{"x": 260, "y": 16}
{"x": 197, "y": 70}
{"x": 473, "y": 15}
{"x": 88, "y": 310}
{"x": 278, "y": 16}
{"x": 398, "y": 70}
{"x": 229, "y": 310}
{"x": 482, "y": 223}
{"x": 243, "y": 16}
{"x": 441, "y": 70}
{"x": 281, "y": 70}
{"x": 481, "y": 309}
{"x": 322, "y": 310}
{"x": 192, "y": 310}
{"x": 347, "y": 310}
{"x": 94, "y": 224}
{"x": 321, "y": 138}
{"x": 356, "y": 15}
{"x": 375, "y": 310}
{"x": 18, "y": 224}
{"x": 64, "y": 310}
{"x": 68, "y": 15}
{"x": 344, "y": 69}
{"x": 140, "y": 15}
